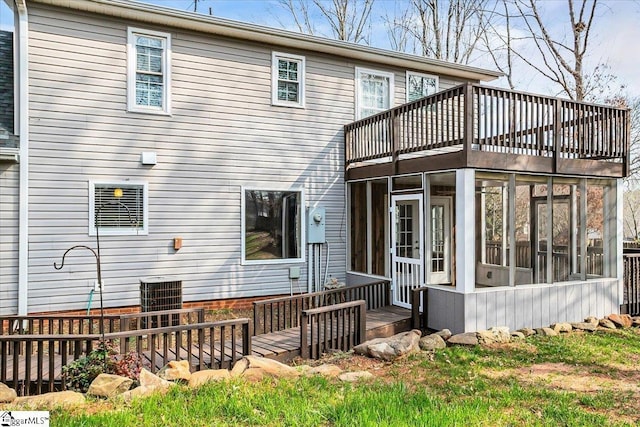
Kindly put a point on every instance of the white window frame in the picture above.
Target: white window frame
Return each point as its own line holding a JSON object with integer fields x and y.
{"x": 131, "y": 71}
{"x": 358, "y": 73}
{"x": 275, "y": 56}
{"x": 422, "y": 75}
{"x": 119, "y": 231}
{"x": 303, "y": 221}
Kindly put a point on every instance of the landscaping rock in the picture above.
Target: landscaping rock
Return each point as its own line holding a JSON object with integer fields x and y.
{"x": 546, "y": 332}
{"x": 239, "y": 367}
{"x": 147, "y": 379}
{"x": 432, "y": 342}
{"x": 326, "y": 370}
{"x": 208, "y": 375}
{"x": 584, "y": 326}
{"x": 527, "y": 332}
{"x": 391, "y": 348}
{"x": 51, "y": 400}
{"x": 562, "y": 327}
{"x": 7, "y": 394}
{"x": 141, "y": 391}
{"x": 350, "y": 377}
{"x": 497, "y": 334}
{"x": 445, "y": 334}
{"x": 621, "y": 320}
{"x": 607, "y": 324}
{"x": 517, "y": 335}
{"x": 108, "y": 385}
{"x": 176, "y": 370}
{"x": 467, "y": 338}
{"x": 593, "y": 320}
{"x": 256, "y": 368}
{"x": 635, "y": 321}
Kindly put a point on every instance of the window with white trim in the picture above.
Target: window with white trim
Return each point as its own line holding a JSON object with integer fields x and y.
{"x": 272, "y": 225}
{"x": 420, "y": 85}
{"x": 374, "y": 91}
{"x": 118, "y": 208}
{"x": 287, "y": 73}
{"x": 149, "y": 71}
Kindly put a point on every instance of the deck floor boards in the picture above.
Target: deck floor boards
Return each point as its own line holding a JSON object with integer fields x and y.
{"x": 282, "y": 345}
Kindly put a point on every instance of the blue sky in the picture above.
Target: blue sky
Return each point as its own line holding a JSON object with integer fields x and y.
{"x": 615, "y": 39}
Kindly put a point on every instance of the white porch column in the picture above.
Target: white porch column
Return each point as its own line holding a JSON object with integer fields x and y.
{"x": 465, "y": 231}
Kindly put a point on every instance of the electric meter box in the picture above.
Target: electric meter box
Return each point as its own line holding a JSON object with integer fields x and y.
{"x": 316, "y": 225}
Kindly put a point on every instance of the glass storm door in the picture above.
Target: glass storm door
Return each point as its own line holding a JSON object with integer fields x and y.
{"x": 407, "y": 247}
{"x": 440, "y": 240}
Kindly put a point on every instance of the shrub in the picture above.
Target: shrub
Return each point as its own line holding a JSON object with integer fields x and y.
{"x": 79, "y": 374}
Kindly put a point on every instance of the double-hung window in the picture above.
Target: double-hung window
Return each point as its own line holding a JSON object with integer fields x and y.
{"x": 373, "y": 92}
{"x": 420, "y": 85}
{"x": 118, "y": 208}
{"x": 272, "y": 225}
{"x": 287, "y": 73}
{"x": 149, "y": 71}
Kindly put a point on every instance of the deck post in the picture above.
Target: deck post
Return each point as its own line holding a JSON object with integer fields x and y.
{"x": 395, "y": 137}
{"x": 468, "y": 122}
{"x": 363, "y": 323}
{"x": 557, "y": 133}
{"x": 304, "y": 339}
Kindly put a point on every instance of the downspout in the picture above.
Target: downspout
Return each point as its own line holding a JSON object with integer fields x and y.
{"x": 22, "y": 75}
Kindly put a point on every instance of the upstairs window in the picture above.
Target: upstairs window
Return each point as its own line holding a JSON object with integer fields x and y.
{"x": 149, "y": 71}
{"x": 420, "y": 85}
{"x": 373, "y": 92}
{"x": 287, "y": 80}
{"x": 117, "y": 208}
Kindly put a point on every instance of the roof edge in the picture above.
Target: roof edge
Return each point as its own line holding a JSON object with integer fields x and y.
{"x": 159, "y": 15}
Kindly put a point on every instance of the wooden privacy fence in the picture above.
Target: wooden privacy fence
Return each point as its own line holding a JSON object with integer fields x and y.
{"x": 332, "y": 327}
{"x": 631, "y": 291}
{"x": 32, "y": 362}
{"x": 481, "y": 118}
{"x": 278, "y": 314}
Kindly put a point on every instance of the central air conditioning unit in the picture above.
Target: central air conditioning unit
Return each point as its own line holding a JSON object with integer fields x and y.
{"x": 160, "y": 293}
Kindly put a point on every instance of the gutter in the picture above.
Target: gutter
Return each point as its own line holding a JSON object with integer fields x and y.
{"x": 167, "y": 17}
{"x": 22, "y": 75}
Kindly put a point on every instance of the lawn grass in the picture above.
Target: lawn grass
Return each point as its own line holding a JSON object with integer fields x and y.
{"x": 453, "y": 387}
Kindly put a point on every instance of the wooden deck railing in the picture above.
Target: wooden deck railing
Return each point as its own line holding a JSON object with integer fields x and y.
{"x": 32, "y": 363}
{"x": 333, "y": 327}
{"x": 472, "y": 117}
{"x": 278, "y": 314}
{"x": 631, "y": 288}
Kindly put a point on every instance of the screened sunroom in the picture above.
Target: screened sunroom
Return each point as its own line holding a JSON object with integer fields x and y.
{"x": 506, "y": 206}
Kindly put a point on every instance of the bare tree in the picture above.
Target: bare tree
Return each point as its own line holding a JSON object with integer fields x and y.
{"x": 348, "y": 20}
{"x": 442, "y": 29}
{"x": 560, "y": 60}
{"x": 497, "y": 39}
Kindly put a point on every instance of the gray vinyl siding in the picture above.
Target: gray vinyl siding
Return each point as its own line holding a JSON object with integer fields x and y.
{"x": 9, "y": 194}
{"x": 223, "y": 134}
{"x": 531, "y": 306}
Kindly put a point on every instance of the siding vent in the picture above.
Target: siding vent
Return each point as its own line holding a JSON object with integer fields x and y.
{"x": 160, "y": 293}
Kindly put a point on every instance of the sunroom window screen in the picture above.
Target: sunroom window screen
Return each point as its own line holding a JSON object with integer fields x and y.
{"x": 125, "y": 212}
{"x": 149, "y": 71}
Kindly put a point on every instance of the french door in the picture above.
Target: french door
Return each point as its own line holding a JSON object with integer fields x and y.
{"x": 407, "y": 247}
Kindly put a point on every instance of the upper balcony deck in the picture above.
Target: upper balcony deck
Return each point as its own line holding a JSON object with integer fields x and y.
{"x": 489, "y": 128}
